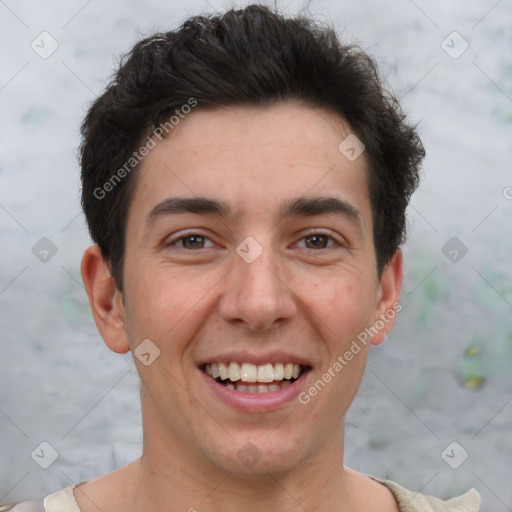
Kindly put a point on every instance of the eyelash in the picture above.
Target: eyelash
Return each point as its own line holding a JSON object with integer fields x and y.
{"x": 304, "y": 237}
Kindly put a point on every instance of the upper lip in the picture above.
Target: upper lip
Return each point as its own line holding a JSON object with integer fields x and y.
{"x": 257, "y": 359}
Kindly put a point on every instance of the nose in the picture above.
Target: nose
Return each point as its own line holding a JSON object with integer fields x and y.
{"x": 256, "y": 294}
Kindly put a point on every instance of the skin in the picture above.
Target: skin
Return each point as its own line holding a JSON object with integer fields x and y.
{"x": 194, "y": 303}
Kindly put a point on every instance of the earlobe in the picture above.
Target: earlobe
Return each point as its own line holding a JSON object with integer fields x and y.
{"x": 105, "y": 300}
{"x": 388, "y": 305}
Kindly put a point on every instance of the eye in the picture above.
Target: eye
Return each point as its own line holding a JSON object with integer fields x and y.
{"x": 192, "y": 242}
{"x": 317, "y": 241}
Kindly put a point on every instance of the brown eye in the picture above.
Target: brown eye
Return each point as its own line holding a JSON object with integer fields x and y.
{"x": 316, "y": 241}
{"x": 192, "y": 242}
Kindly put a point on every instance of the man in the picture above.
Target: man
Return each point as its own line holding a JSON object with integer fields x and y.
{"x": 245, "y": 180}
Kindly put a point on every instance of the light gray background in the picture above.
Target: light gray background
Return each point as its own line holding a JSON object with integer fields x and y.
{"x": 60, "y": 384}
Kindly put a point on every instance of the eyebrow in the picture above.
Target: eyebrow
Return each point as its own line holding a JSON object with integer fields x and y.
{"x": 300, "y": 206}
{"x": 201, "y": 205}
{"x": 308, "y": 206}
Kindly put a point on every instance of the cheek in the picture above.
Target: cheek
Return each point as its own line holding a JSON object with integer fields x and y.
{"x": 163, "y": 303}
{"x": 343, "y": 304}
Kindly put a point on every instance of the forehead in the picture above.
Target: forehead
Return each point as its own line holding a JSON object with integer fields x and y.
{"x": 251, "y": 158}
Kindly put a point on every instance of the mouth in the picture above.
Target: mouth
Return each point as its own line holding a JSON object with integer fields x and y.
{"x": 254, "y": 379}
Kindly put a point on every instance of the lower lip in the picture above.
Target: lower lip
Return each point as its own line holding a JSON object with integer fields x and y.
{"x": 256, "y": 402}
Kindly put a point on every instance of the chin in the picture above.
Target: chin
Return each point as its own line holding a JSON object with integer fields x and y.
{"x": 255, "y": 456}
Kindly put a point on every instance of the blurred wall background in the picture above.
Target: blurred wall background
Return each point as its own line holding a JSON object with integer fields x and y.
{"x": 444, "y": 376}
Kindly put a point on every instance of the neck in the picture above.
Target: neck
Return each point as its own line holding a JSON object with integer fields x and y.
{"x": 172, "y": 479}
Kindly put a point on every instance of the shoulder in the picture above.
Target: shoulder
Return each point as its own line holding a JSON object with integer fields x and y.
{"x": 61, "y": 501}
{"x": 96, "y": 494}
{"x": 410, "y": 501}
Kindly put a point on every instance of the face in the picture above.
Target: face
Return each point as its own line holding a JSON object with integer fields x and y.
{"x": 249, "y": 253}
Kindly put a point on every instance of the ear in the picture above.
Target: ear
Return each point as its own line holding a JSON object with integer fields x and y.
{"x": 105, "y": 300}
{"x": 388, "y": 295}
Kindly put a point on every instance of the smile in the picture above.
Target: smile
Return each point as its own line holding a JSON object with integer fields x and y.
{"x": 251, "y": 378}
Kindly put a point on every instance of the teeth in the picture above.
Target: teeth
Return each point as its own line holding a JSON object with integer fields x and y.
{"x": 256, "y": 388}
{"x": 266, "y": 373}
{"x": 223, "y": 371}
{"x": 278, "y": 371}
{"x": 233, "y": 371}
{"x": 247, "y": 372}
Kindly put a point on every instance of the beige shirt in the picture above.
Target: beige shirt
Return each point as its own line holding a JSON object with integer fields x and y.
{"x": 408, "y": 501}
